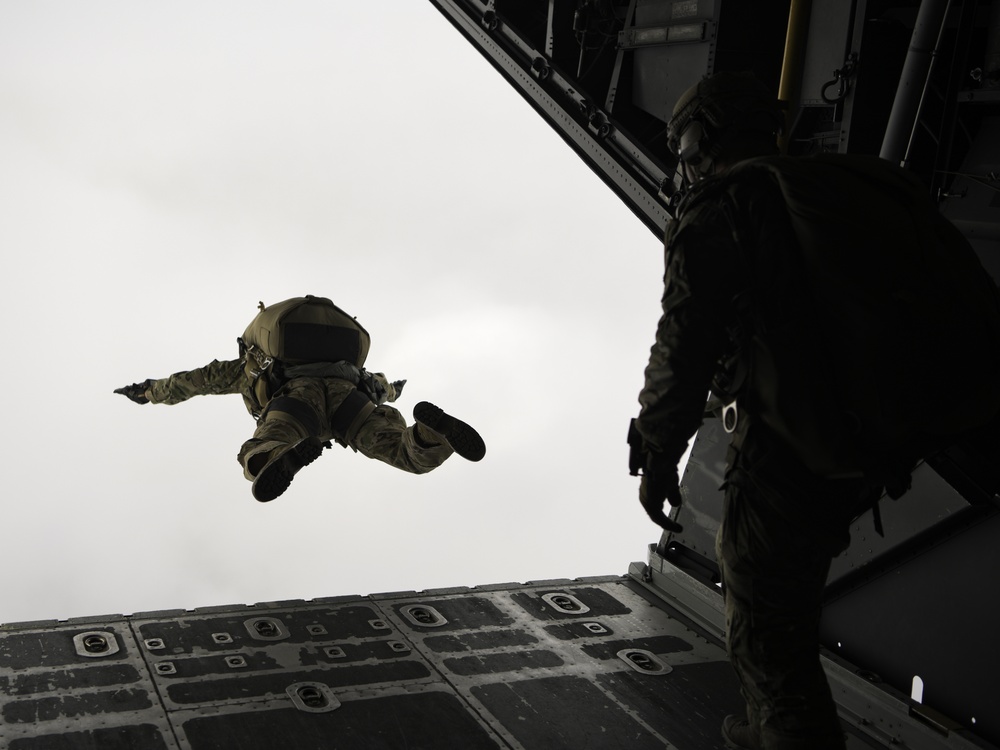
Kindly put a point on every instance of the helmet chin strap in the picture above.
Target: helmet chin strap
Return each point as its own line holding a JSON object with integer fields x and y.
{"x": 687, "y": 176}
{"x": 702, "y": 165}
{"x": 695, "y": 162}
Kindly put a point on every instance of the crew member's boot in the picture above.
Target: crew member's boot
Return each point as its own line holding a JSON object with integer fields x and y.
{"x": 738, "y": 734}
{"x": 465, "y": 441}
{"x": 281, "y": 467}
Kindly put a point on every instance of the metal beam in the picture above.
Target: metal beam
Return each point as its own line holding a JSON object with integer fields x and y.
{"x": 913, "y": 82}
{"x": 612, "y": 153}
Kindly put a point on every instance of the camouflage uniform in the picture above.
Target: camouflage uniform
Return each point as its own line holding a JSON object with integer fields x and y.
{"x": 303, "y": 407}
{"x": 782, "y": 525}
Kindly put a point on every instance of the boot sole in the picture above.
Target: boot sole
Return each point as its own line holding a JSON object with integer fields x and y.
{"x": 463, "y": 439}
{"x": 277, "y": 475}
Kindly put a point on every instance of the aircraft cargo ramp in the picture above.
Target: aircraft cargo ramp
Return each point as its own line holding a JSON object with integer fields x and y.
{"x": 587, "y": 663}
{"x": 619, "y": 662}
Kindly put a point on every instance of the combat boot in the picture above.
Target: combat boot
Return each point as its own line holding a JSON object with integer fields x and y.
{"x": 281, "y": 467}
{"x": 463, "y": 439}
{"x": 738, "y": 734}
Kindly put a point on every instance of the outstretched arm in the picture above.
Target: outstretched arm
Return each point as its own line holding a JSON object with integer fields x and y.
{"x": 212, "y": 379}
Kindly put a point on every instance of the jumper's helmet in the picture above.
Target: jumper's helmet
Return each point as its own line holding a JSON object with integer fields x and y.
{"x": 720, "y": 114}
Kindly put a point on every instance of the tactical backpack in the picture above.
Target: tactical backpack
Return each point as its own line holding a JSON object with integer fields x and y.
{"x": 298, "y": 331}
{"x": 898, "y": 349}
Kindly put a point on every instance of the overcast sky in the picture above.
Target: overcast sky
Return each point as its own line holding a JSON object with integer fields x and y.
{"x": 165, "y": 166}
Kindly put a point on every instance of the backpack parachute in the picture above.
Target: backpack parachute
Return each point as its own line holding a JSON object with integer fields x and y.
{"x": 301, "y": 330}
{"x": 900, "y": 350}
{"x": 308, "y": 329}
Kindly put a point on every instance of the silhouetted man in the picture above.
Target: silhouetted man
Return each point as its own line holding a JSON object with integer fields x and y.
{"x": 764, "y": 261}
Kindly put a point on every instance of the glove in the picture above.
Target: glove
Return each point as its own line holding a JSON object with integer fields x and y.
{"x": 660, "y": 483}
{"x": 397, "y": 389}
{"x": 136, "y": 392}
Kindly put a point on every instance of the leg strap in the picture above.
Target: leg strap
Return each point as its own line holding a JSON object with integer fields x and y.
{"x": 350, "y": 415}
{"x": 298, "y": 410}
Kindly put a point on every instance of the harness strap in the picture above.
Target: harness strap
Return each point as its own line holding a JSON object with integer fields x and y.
{"x": 299, "y": 411}
{"x": 341, "y": 370}
{"x": 350, "y": 415}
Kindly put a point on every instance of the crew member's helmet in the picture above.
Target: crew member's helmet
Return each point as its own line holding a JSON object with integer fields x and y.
{"x": 719, "y": 116}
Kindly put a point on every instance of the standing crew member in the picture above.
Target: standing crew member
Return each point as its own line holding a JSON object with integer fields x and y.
{"x": 301, "y": 374}
{"x": 764, "y": 254}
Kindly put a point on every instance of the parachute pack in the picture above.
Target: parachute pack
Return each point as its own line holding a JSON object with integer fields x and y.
{"x": 299, "y": 331}
{"x": 899, "y": 350}
{"x": 307, "y": 329}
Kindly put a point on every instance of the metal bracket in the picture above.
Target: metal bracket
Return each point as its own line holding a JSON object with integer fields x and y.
{"x": 566, "y": 604}
{"x": 266, "y": 629}
{"x": 635, "y": 37}
{"x": 423, "y": 616}
{"x": 96, "y": 644}
{"x": 312, "y": 697}
{"x": 644, "y": 661}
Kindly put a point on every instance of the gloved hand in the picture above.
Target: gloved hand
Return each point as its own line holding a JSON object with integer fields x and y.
{"x": 397, "y": 389}
{"x": 136, "y": 392}
{"x": 660, "y": 483}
